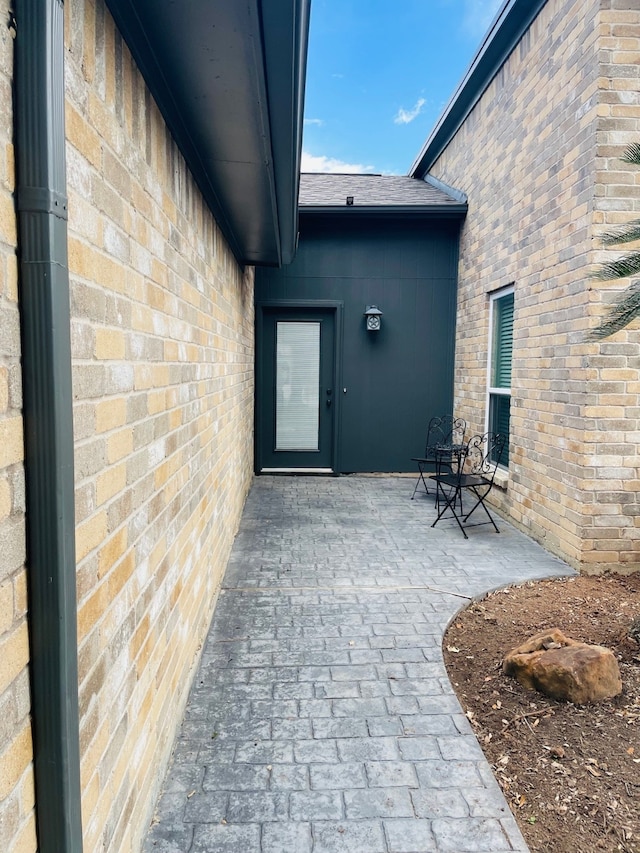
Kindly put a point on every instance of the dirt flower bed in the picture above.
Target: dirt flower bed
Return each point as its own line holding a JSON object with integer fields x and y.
{"x": 571, "y": 774}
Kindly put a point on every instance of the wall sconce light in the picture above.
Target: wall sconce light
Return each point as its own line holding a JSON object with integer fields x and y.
{"x": 349, "y": 201}
{"x": 373, "y": 316}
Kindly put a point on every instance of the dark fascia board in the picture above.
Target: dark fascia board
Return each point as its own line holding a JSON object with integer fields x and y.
{"x": 408, "y": 211}
{"x": 510, "y": 24}
{"x": 228, "y": 78}
{"x": 286, "y": 31}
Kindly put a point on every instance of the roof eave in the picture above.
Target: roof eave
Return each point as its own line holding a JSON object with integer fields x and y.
{"x": 286, "y": 87}
{"x": 507, "y": 29}
{"x": 229, "y": 81}
{"x": 433, "y": 211}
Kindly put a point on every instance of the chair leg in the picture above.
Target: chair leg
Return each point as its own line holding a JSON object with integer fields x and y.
{"x": 449, "y": 503}
{"x": 420, "y": 478}
{"x": 480, "y": 502}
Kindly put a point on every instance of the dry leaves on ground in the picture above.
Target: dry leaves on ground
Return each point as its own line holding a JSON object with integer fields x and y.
{"x": 571, "y": 774}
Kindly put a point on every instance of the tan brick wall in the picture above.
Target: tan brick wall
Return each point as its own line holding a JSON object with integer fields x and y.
{"x": 162, "y": 348}
{"x": 612, "y": 508}
{"x": 17, "y": 817}
{"x": 535, "y": 158}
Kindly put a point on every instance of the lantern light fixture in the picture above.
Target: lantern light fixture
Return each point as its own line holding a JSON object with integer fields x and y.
{"x": 373, "y": 317}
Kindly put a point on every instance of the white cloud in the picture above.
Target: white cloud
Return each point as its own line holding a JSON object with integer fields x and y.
{"x": 318, "y": 122}
{"x": 478, "y": 14}
{"x": 313, "y": 163}
{"x": 406, "y": 116}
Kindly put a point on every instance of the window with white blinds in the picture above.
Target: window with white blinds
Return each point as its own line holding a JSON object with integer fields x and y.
{"x": 501, "y": 351}
{"x": 297, "y": 385}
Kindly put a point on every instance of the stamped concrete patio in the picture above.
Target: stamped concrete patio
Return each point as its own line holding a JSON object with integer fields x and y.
{"x": 321, "y": 718}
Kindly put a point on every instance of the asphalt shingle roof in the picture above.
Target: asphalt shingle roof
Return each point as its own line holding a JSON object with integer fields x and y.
{"x": 331, "y": 190}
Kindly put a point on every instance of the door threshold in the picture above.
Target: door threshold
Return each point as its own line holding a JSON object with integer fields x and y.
{"x": 296, "y": 471}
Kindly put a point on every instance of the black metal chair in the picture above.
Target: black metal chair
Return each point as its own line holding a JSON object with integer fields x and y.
{"x": 475, "y": 474}
{"x": 445, "y": 437}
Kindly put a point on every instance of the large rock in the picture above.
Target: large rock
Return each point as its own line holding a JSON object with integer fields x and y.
{"x": 565, "y": 669}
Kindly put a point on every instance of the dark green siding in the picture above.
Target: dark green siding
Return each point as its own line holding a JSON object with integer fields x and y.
{"x": 397, "y": 378}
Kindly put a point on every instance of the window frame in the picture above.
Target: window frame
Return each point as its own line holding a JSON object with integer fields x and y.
{"x": 494, "y": 390}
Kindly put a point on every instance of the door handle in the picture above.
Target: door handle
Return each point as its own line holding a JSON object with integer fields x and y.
{"x": 329, "y": 393}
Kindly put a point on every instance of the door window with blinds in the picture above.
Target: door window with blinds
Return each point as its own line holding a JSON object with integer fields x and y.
{"x": 297, "y": 385}
{"x": 500, "y": 354}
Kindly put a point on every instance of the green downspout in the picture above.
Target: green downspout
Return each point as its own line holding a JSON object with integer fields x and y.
{"x": 46, "y": 370}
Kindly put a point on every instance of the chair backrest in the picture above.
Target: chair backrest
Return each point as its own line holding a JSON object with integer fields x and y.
{"x": 484, "y": 453}
{"x": 444, "y": 430}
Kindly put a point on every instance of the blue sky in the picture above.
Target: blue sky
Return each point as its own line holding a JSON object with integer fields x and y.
{"x": 379, "y": 74}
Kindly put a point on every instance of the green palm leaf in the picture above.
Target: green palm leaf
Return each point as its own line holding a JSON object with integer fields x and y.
{"x": 632, "y": 154}
{"x": 621, "y": 268}
{"x": 628, "y": 233}
{"x": 620, "y": 315}
{"x": 627, "y": 308}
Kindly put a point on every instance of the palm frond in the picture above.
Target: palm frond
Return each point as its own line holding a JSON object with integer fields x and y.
{"x": 628, "y": 233}
{"x": 621, "y": 268}
{"x": 619, "y": 315}
{"x": 632, "y": 154}
{"x": 627, "y": 308}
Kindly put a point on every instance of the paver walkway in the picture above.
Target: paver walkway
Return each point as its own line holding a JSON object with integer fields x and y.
{"x": 321, "y": 718}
